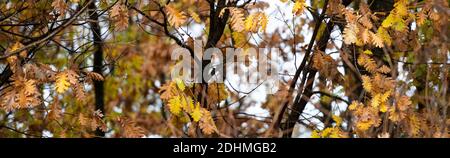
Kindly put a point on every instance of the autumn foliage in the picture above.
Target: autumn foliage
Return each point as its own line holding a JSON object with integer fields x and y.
{"x": 101, "y": 68}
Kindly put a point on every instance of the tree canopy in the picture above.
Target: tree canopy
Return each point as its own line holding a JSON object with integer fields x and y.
{"x": 346, "y": 68}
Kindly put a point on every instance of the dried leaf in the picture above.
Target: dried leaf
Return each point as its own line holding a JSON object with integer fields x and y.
{"x": 207, "y": 123}
{"x": 176, "y": 18}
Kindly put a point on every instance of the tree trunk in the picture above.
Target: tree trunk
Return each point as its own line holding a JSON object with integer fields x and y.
{"x": 98, "y": 62}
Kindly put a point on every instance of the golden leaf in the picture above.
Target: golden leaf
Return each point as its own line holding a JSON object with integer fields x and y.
{"x": 255, "y": 21}
{"x": 384, "y": 35}
{"x": 383, "y": 107}
{"x": 367, "y": 83}
{"x": 414, "y": 124}
{"x": 299, "y": 5}
{"x": 368, "y": 52}
{"x": 329, "y": 132}
{"x": 176, "y": 17}
{"x": 354, "y": 105}
{"x": 175, "y": 105}
{"x": 62, "y": 82}
{"x": 388, "y": 21}
{"x": 350, "y": 32}
{"x": 337, "y": 119}
{"x": 187, "y": 104}
{"x": 180, "y": 84}
{"x": 239, "y": 39}
{"x": 385, "y": 96}
{"x": 315, "y": 134}
{"x": 196, "y": 113}
{"x": 375, "y": 102}
{"x": 400, "y": 7}
{"x": 368, "y": 63}
{"x": 207, "y": 123}
{"x": 363, "y": 126}
{"x": 249, "y": 24}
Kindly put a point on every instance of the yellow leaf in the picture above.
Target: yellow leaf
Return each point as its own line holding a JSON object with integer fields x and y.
{"x": 263, "y": 22}
{"x": 249, "y": 22}
{"x": 384, "y": 35}
{"x": 375, "y": 101}
{"x": 368, "y": 52}
{"x": 180, "y": 84}
{"x": 388, "y": 21}
{"x": 315, "y": 134}
{"x": 367, "y": 83}
{"x": 331, "y": 132}
{"x": 394, "y": 21}
{"x": 368, "y": 63}
{"x": 255, "y": 22}
{"x": 239, "y": 39}
{"x": 62, "y": 82}
{"x": 383, "y": 107}
{"x": 400, "y": 8}
{"x": 196, "y": 113}
{"x": 337, "y": 119}
{"x": 187, "y": 103}
{"x": 363, "y": 126}
{"x": 175, "y": 105}
{"x": 299, "y": 5}
{"x": 385, "y": 96}
{"x": 353, "y": 105}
